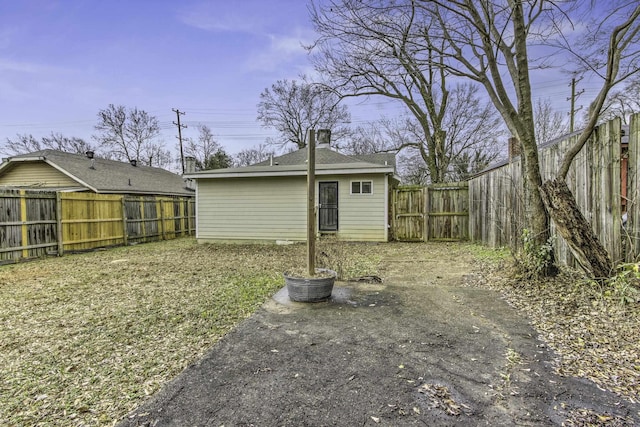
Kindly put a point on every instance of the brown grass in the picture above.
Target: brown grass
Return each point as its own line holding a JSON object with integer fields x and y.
{"x": 85, "y": 338}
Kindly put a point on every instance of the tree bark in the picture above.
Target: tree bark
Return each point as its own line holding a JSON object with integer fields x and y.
{"x": 575, "y": 229}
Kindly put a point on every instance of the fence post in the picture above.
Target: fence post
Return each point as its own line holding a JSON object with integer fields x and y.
{"x": 24, "y": 228}
{"x": 183, "y": 223}
{"x": 427, "y": 214}
{"x": 60, "y": 230}
{"x": 394, "y": 203}
{"x": 160, "y": 208}
{"x": 125, "y": 237}
{"x": 190, "y": 222}
{"x": 143, "y": 224}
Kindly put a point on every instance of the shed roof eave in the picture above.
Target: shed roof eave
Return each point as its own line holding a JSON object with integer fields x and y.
{"x": 263, "y": 174}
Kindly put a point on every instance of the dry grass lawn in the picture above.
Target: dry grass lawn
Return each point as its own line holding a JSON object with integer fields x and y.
{"x": 85, "y": 338}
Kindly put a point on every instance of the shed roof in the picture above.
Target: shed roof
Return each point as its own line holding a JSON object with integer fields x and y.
{"x": 106, "y": 176}
{"x": 328, "y": 162}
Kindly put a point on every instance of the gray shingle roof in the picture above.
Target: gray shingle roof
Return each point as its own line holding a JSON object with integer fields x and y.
{"x": 295, "y": 163}
{"x": 325, "y": 156}
{"x": 380, "y": 158}
{"x": 109, "y": 176}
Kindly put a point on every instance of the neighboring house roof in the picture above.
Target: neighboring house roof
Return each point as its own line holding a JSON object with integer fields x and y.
{"x": 328, "y": 162}
{"x": 103, "y": 175}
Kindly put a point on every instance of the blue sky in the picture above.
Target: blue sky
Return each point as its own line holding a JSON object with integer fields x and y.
{"x": 62, "y": 61}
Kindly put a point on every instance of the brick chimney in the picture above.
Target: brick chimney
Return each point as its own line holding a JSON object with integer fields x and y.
{"x": 323, "y": 138}
{"x": 189, "y": 164}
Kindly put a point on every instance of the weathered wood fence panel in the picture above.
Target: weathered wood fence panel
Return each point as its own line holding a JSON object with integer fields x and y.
{"x": 38, "y": 223}
{"x": 448, "y": 211}
{"x": 154, "y": 218}
{"x": 496, "y": 206}
{"x": 496, "y": 197}
{"x": 408, "y": 214}
{"x": 436, "y": 212}
{"x": 594, "y": 179}
{"x": 143, "y": 220}
{"x": 631, "y": 239}
{"x": 27, "y": 224}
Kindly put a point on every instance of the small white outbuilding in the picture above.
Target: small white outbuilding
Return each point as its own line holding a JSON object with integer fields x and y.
{"x": 268, "y": 201}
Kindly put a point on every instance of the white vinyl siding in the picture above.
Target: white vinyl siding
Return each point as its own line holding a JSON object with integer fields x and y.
{"x": 361, "y": 218}
{"x": 252, "y": 209}
{"x": 270, "y": 209}
{"x": 35, "y": 174}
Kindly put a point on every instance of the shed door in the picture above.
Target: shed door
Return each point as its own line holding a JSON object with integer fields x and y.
{"x": 328, "y": 209}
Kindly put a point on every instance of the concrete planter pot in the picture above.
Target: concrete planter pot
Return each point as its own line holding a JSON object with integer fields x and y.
{"x": 310, "y": 289}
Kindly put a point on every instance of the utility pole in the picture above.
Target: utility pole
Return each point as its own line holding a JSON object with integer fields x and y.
{"x": 178, "y": 113}
{"x": 573, "y": 98}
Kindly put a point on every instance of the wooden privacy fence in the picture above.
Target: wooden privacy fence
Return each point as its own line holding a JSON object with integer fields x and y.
{"x": 38, "y": 223}
{"x": 598, "y": 180}
{"x": 437, "y": 212}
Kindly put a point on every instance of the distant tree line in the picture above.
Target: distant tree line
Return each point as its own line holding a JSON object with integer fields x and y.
{"x": 127, "y": 134}
{"x": 473, "y": 135}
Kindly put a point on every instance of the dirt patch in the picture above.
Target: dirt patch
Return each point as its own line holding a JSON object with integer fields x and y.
{"x": 421, "y": 348}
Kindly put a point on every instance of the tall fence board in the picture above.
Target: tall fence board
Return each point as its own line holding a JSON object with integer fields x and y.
{"x": 631, "y": 237}
{"x": 38, "y": 223}
{"x": 496, "y": 197}
{"x": 436, "y": 212}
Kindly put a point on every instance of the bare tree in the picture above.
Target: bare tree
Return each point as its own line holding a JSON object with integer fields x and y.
{"x": 156, "y": 155}
{"x": 126, "y": 134}
{"x": 412, "y": 169}
{"x": 475, "y": 133}
{"x": 377, "y": 49}
{"x": 294, "y": 107}
{"x": 207, "y": 152}
{"x": 23, "y": 144}
{"x": 203, "y": 148}
{"x": 472, "y": 141}
{"x": 368, "y": 138}
{"x": 549, "y": 124}
{"x": 251, "y": 156}
{"x": 488, "y": 42}
{"x": 482, "y": 35}
{"x": 622, "y": 103}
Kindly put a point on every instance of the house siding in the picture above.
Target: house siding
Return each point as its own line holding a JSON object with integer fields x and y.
{"x": 251, "y": 209}
{"x": 361, "y": 217}
{"x": 255, "y": 209}
{"x": 35, "y": 174}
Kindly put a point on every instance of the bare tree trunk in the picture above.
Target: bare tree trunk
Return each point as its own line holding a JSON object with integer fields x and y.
{"x": 537, "y": 217}
{"x": 575, "y": 229}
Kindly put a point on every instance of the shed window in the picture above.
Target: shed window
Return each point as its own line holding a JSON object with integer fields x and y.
{"x": 361, "y": 187}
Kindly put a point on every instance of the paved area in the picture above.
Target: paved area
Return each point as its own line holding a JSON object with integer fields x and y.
{"x": 421, "y": 348}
